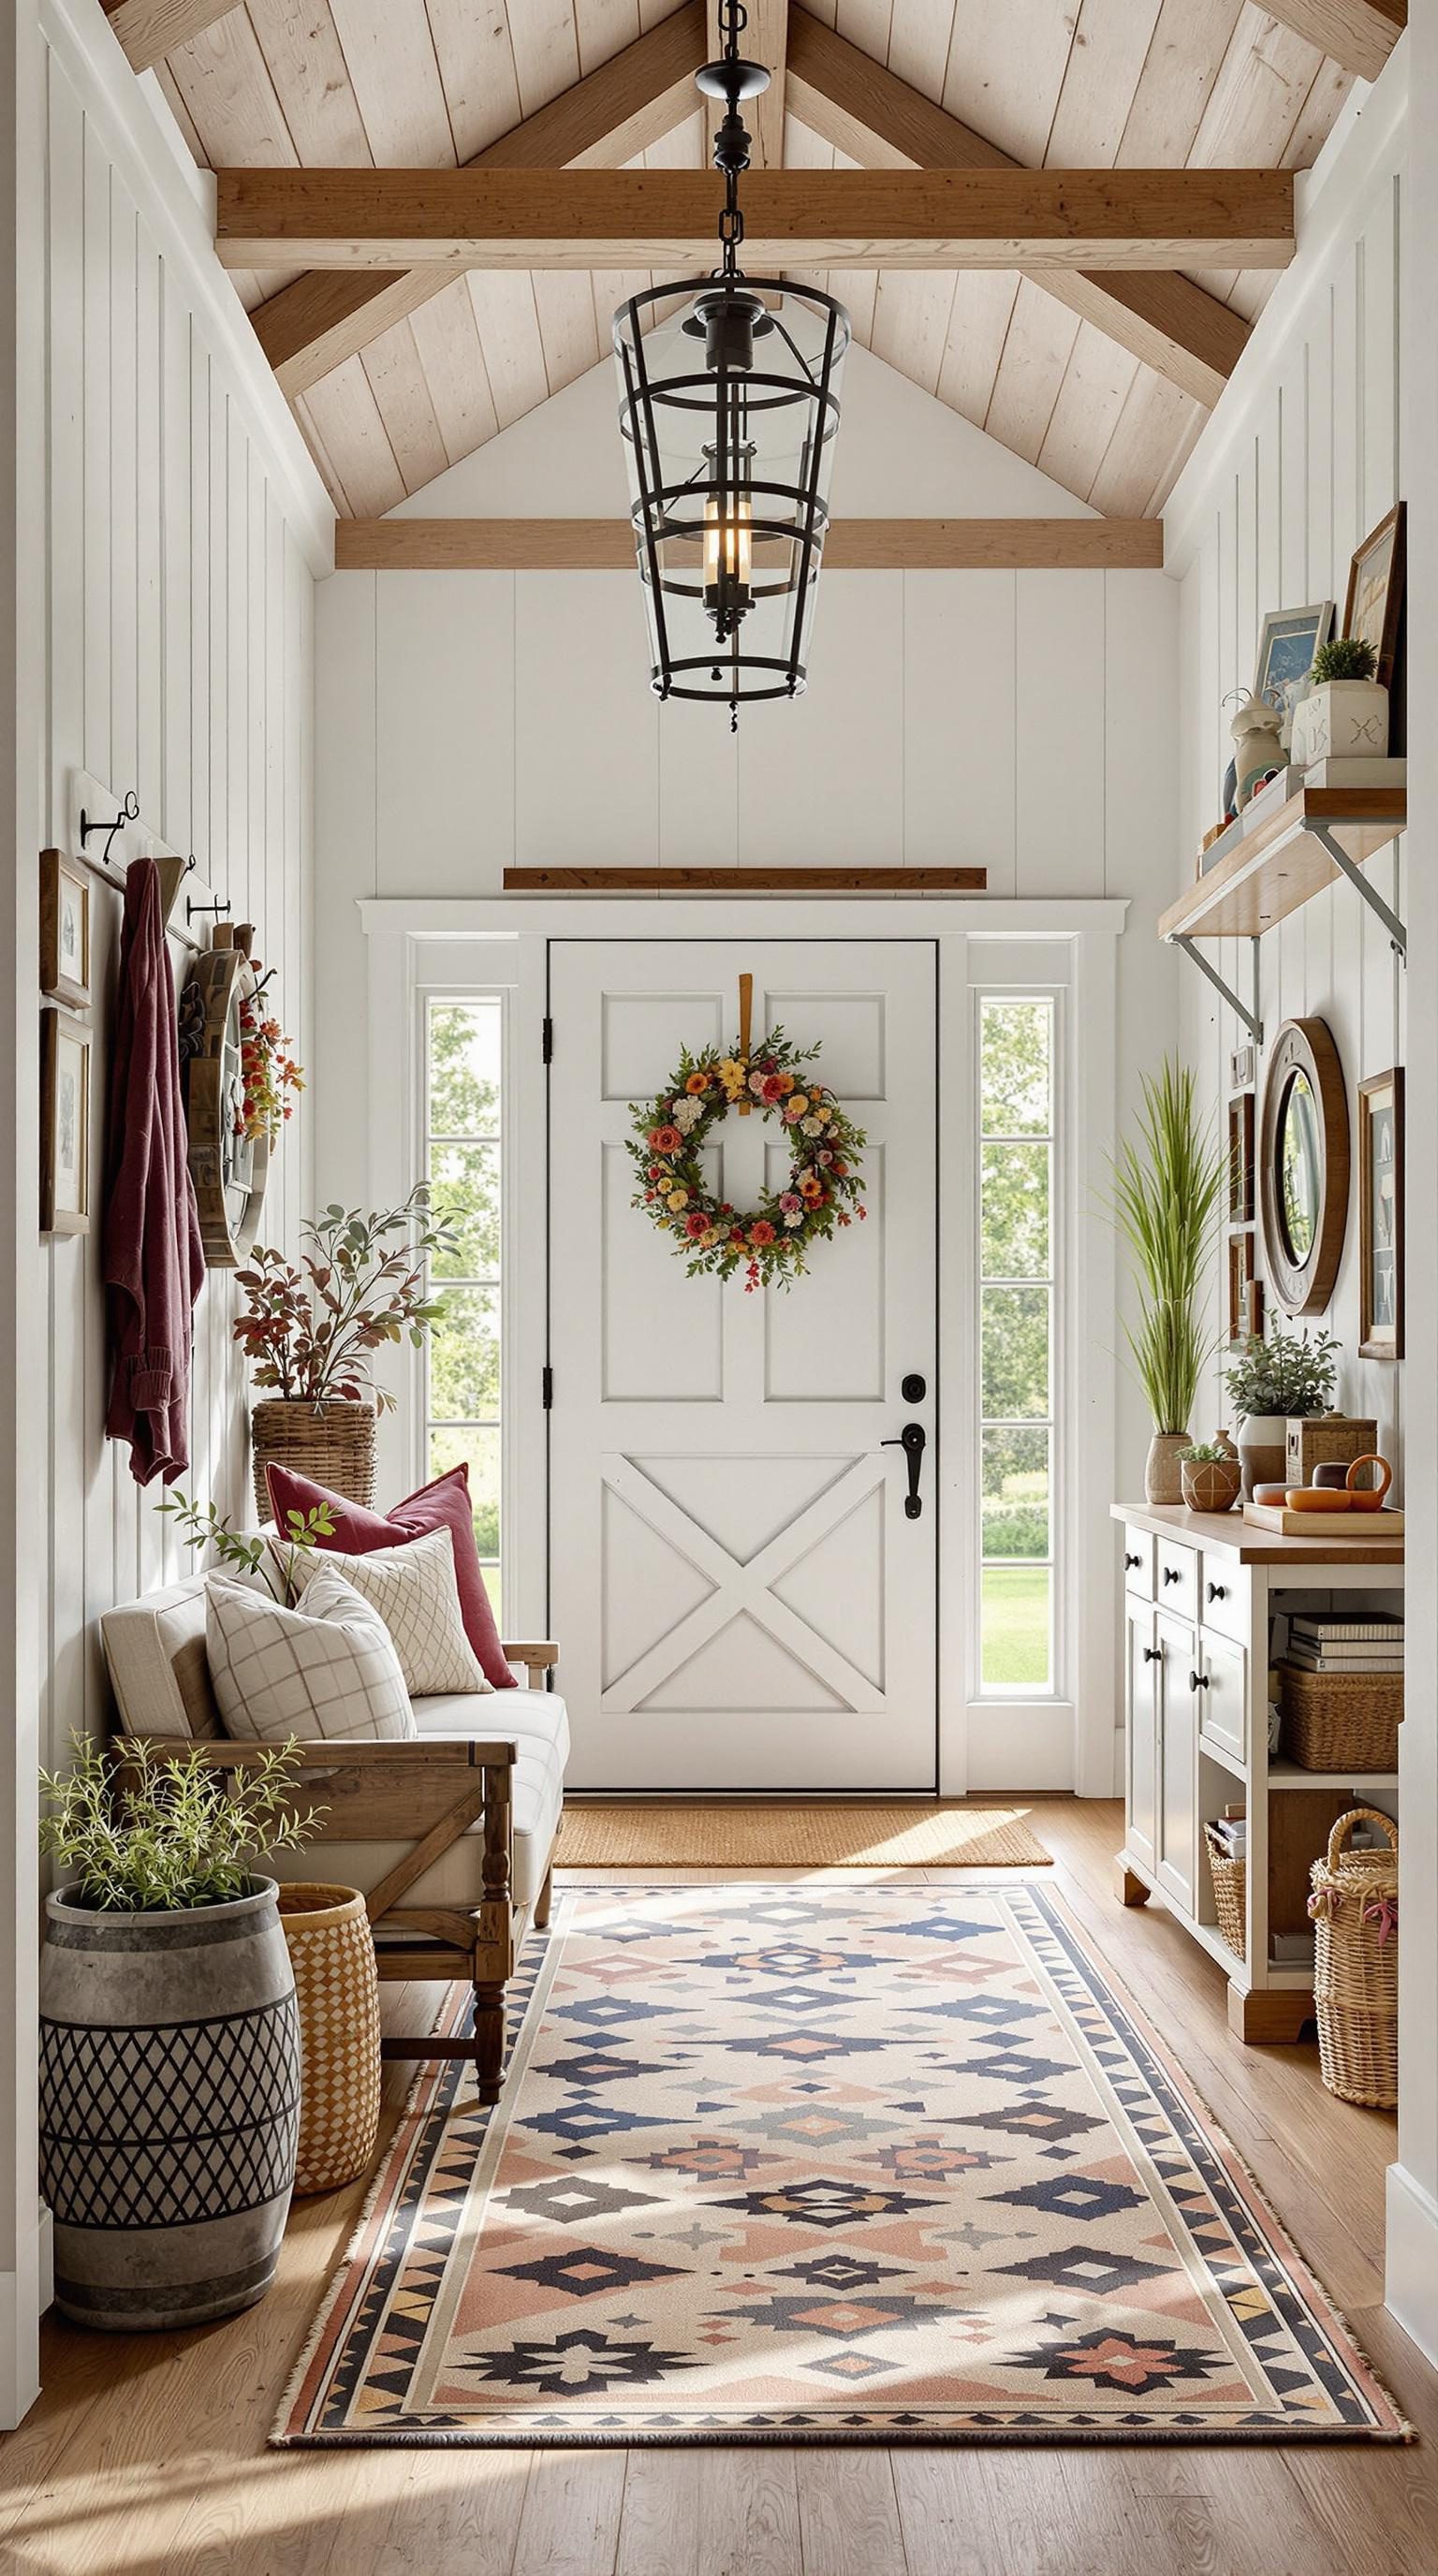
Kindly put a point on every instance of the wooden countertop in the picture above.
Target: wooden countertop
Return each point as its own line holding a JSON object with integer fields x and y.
{"x": 1229, "y": 1531}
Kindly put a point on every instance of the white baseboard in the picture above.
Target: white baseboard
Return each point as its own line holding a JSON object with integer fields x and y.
{"x": 1412, "y": 2262}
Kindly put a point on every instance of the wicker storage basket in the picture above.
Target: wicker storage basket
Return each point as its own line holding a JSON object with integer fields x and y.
{"x": 1341, "y": 1721}
{"x": 1354, "y": 1906}
{"x": 1230, "y": 1893}
{"x": 337, "y": 1991}
{"x": 333, "y": 1442}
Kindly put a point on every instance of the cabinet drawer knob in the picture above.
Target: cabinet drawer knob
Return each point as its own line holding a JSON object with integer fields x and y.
{"x": 1173, "y": 1574}
{"x": 1130, "y": 1559}
{"x": 1198, "y": 1681}
{"x": 1153, "y": 1654}
{"x": 1218, "y": 1591}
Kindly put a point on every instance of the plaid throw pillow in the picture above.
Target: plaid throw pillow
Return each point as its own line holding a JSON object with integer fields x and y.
{"x": 414, "y": 1590}
{"x": 327, "y": 1671}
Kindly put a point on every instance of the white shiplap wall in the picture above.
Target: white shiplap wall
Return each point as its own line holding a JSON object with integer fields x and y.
{"x": 1292, "y": 473}
{"x": 179, "y": 654}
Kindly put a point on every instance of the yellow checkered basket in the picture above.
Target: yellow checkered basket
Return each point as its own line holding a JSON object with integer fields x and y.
{"x": 337, "y": 1993}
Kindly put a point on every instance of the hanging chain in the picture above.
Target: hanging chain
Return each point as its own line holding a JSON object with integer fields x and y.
{"x": 731, "y": 143}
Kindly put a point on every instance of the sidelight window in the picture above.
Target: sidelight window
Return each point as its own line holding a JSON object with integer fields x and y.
{"x": 463, "y": 1420}
{"x": 1017, "y": 1400}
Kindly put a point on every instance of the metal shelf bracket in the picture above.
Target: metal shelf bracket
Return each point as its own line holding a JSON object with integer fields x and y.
{"x": 1248, "y": 1014}
{"x": 1363, "y": 885}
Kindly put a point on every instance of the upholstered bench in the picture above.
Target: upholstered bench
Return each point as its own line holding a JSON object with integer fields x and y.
{"x": 450, "y": 1836}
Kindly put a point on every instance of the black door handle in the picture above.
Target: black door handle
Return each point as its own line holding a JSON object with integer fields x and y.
{"x": 1130, "y": 1559}
{"x": 1153, "y": 1654}
{"x": 913, "y": 1440}
{"x": 1218, "y": 1591}
{"x": 1198, "y": 1681}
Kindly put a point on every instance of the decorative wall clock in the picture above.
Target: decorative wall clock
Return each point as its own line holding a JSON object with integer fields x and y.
{"x": 820, "y": 1193}
{"x": 229, "y": 1166}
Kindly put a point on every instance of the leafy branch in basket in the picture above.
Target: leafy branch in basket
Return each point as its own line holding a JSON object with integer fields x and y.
{"x": 163, "y": 1833}
{"x": 309, "y": 1327}
{"x": 253, "y": 1552}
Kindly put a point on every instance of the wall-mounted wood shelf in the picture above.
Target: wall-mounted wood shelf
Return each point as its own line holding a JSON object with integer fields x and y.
{"x": 1286, "y": 861}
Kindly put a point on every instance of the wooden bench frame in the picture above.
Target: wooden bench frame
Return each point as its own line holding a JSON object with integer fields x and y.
{"x": 429, "y": 1791}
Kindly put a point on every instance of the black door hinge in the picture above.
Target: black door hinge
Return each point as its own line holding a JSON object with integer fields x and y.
{"x": 548, "y": 1040}
{"x": 547, "y": 1386}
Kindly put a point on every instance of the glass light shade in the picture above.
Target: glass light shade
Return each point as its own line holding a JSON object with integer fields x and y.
{"x": 728, "y": 411}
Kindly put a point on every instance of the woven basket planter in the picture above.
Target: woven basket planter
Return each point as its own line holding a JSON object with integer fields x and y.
{"x": 1354, "y": 1906}
{"x": 336, "y": 1988}
{"x": 1230, "y": 1893}
{"x": 1340, "y": 1721}
{"x": 331, "y": 1442}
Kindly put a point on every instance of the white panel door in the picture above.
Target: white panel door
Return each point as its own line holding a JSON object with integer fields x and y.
{"x": 742, "y": 1601}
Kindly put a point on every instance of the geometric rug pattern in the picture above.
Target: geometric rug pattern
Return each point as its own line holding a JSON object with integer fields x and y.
{"x": 815, "y": 2163}
{"x": 892, "y": 1833}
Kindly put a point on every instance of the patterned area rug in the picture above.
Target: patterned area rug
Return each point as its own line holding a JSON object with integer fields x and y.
{"x": 715, "y": 1833}
{"x": 816, "y": 2164}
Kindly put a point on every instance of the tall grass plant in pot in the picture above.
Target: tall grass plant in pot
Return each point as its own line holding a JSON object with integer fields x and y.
{"x": 1169, "y": 1179}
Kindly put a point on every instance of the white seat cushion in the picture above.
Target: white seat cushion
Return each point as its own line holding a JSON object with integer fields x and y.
{"x": 537, "y": 1724}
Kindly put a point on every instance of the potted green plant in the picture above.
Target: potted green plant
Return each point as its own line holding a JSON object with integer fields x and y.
{"x": 169, "y": 2040}
{"x": 1290, "y": 1373}
{"x": 310, "y": 1329}
{"x": 1211, "y": 1474}
{"x": 1168, "y": 1182}
{"x": 1344, "y": 715}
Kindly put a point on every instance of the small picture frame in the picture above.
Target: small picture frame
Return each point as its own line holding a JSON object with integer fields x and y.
{"x": 64, "y": 930}
{"x": 1374, "y": 605}
{"x": 1380, "y": 1215}
{"x": 64, "y": 1125}
{"x": 1289, "y": 639}
{"x": 1245, "y": 1293}
{"x": 1240, "y": 1160}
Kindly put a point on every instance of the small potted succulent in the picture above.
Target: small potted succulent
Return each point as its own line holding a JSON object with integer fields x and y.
{"x": 169, "y": 2039}
{"x": 1212, "y": 1475}
{"x": 310, "y": 1328}
{"x": 1290, "y": 1373}
{"x": 1345, "y": 713}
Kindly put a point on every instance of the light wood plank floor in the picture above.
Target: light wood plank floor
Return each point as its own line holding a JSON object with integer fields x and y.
{"x": 149, "y": 2454}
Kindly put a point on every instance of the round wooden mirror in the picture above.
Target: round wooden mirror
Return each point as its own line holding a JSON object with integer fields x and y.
{"x": 229, "y": 1168}
{"x": 1303, "y": 1166}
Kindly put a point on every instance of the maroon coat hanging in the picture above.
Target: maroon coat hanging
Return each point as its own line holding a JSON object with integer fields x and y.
{"x": 154, "y": 1259}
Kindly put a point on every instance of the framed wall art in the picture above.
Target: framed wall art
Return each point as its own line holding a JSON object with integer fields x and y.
{"x": 1289, "y": 639}
{"x": 1240, "y": 1159}
{"x": 1374, "y": 606}
{"x": 64, "y": 930}
{"x": 1245, "y": 1293}
{"x": 1380, "y": 1215}
{"x": 64, "y": 1125}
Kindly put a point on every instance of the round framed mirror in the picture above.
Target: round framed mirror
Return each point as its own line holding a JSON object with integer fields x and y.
{"x": 1303, "y": 1166}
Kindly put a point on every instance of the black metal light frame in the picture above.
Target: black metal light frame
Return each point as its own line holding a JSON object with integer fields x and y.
{"x": 732, "y": 316}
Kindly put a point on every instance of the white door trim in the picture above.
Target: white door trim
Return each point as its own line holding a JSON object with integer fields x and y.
{"x": 1068, "y": 1740}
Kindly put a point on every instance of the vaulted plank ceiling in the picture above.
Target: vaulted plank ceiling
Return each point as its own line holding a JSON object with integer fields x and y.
{"x": 1059, "y": 372}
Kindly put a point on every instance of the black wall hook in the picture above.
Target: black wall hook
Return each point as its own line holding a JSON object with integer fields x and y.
{"x": 192, "y": 908}
{"x": 129, "y": 813}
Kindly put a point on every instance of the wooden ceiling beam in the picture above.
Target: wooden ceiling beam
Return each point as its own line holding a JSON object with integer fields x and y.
{"x": 321, "y": 319}
{"x": 1359, "y": 34}
{"x": 667, "y": 219}
{"x": 149, "y": 29}
{"x": 853, "y": 545}
{"x": 1175, "y": 327}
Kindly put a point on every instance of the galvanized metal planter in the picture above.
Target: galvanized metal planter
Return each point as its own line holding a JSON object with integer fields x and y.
{"x": 169, "y": 2107}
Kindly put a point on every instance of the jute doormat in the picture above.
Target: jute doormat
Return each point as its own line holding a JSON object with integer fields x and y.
{"x": 894, "y": 1834}
{"x": 822, "y": 2162}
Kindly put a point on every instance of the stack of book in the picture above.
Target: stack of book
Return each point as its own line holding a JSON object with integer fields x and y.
{"x": 1341, "y": 1641}
{"x": 1230, "y": 1832}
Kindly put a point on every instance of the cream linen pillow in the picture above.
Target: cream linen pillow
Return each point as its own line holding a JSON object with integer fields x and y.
{"x": 415, "y": 1592}
{"x": 328, "y": 1670}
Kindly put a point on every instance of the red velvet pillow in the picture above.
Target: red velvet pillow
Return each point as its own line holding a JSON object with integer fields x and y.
{"x": 443, "y": 1505}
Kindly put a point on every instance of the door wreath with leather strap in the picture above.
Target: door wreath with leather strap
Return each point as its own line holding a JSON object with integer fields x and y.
{"x": 820, "y": 1194}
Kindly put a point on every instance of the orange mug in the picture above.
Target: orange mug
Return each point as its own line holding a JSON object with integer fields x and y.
{"x": 1368, "y": 1498}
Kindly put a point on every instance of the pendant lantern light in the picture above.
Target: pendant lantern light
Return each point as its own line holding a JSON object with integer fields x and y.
{"x": 728, "y": 412}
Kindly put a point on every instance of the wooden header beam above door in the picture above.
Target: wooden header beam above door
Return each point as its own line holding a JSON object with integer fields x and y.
{"x": 635, "y": 99}
{"x": 667, "y": 219}
{"x": 853, "y": 545}
{"x": 849, "y": 100}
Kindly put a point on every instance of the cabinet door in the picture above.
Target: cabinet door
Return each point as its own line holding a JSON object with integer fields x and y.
{"x": 1141, "y": 1725}
{"x": 1223, "y": 1711}
{"x": 1177, "y": 1761}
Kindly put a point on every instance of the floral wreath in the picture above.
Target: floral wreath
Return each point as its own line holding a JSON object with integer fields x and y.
{"x": 821, "y": 1192}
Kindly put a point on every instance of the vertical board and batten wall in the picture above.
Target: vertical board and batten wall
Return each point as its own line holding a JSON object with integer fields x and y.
{"x": 1282, "y": 499}
{"x": 179, "y": 658}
